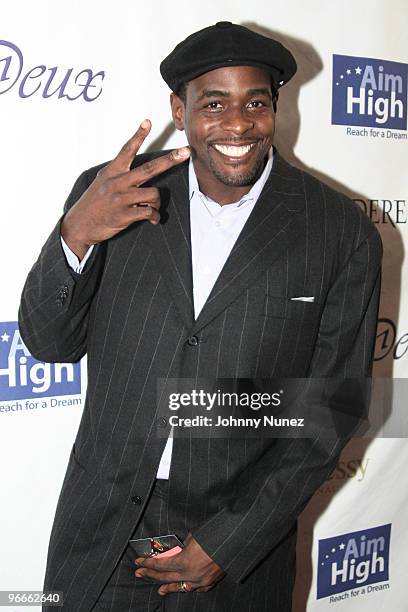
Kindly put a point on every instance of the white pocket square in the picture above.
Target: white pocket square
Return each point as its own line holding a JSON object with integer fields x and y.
{"x": 303, "y": 298}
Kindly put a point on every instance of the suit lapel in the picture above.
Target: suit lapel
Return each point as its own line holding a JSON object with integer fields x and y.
{"x": 170, "y": 241}
{"x": 273, "y": 226}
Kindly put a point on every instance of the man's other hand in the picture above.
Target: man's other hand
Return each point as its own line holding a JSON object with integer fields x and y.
{"x": 191, "y": 566}
{"x": 116, "y": 199}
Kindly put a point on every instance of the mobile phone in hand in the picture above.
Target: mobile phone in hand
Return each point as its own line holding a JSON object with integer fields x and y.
{"x": 158, "y": 546}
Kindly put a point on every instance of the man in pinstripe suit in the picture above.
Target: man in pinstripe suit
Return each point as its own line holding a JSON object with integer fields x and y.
{"x": 249, "y": 268}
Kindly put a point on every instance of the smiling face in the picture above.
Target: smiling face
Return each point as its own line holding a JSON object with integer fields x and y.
{"x": 229, "y": 120}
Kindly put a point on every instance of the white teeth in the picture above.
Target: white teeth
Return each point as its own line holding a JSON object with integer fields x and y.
{"x": 234, "y": 151}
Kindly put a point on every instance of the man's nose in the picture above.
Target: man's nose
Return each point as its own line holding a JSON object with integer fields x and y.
{"x": 237, "y": 120}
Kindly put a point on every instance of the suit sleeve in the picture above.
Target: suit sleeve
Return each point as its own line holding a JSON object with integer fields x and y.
{"x": 260, "y": 516}
{"x": 55, "y": 302}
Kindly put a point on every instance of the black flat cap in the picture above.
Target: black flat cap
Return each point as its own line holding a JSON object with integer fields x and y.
{"x": 226, "y": 44}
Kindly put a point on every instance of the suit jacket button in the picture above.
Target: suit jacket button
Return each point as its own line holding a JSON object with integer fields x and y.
{"x": 62, "y": 295}
{"x": 136, "y": 499}
{"x": 193, "y": 341}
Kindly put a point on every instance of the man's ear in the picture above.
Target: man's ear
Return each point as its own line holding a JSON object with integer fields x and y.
{"x": 178, "y": 111}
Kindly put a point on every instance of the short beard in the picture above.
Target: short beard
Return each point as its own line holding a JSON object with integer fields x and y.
{"x": 239, "y": 180}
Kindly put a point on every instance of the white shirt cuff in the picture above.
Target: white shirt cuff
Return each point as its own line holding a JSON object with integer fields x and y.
{"x": 72, "y": 259}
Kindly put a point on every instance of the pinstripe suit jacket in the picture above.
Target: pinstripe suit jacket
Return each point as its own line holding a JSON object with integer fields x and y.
{"x": 131, "y": 311}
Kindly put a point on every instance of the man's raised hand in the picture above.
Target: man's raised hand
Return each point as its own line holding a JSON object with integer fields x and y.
{"x": 116, "y": 199}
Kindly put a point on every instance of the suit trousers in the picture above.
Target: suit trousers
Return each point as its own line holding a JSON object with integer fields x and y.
{"x": 126, "y": 593}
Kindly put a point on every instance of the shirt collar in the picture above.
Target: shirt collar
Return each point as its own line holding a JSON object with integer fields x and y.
{"x": 253, "y": 194}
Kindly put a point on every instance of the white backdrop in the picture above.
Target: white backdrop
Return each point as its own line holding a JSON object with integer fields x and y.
{"x": 47, "y": 141}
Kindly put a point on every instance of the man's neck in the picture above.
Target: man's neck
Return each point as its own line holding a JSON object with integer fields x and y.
{"x": 227, "y": 194}
{"x": 224, "y": 194}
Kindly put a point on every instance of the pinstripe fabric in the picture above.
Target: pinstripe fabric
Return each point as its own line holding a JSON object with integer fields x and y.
{"x": 131, "y": 310}
{"x": 124, "y": 591}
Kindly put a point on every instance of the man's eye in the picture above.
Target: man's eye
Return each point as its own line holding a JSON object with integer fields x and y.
{"x": 214, "y": 105}
{"x": 256, "y": 104}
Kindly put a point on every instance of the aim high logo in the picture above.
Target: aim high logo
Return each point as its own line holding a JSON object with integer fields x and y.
{"x": 353, "y": 560}
{"x": 23, "y": 377}
{"x": 369, "y": 92}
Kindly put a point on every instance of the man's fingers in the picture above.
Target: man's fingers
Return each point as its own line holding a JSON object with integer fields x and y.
{"x": 154, "y": 167}
{"x": 167, "y": 564}
{"x": 137, "y": 195}
{"x": 157, "y": 575}
{"x": 141, "y": 213}
{"x": 124, "y": 158}
{"x": 115, "y": 199}
{"x": 174, "y": 587}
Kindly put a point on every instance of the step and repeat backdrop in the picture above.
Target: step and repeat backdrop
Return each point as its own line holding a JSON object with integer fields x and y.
{"x": 76, "y": 79}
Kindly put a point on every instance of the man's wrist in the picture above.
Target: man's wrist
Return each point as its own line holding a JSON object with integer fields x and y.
{"x": 72, "y": 259}
{"x": 77, "y": 245}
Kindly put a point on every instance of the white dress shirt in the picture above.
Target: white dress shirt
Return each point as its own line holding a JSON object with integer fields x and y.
{"x": 214, "y": 231}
